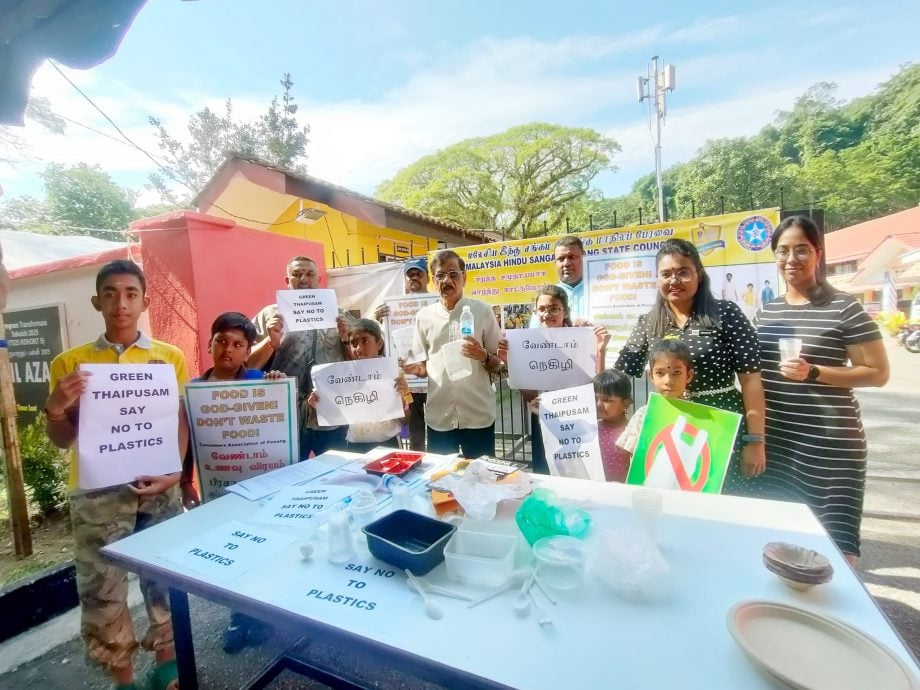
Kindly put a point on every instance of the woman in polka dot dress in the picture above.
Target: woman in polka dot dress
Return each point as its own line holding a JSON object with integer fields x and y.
{"x": 723, "y": 345}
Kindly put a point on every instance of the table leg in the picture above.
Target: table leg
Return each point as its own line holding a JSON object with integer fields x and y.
{"x": 182, "y": 633}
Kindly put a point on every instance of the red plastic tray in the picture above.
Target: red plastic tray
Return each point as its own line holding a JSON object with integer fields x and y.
{"x": 398, "y": 463}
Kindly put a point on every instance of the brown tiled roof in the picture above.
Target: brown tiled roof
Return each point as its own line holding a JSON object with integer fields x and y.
{"x": 858, "y": 240}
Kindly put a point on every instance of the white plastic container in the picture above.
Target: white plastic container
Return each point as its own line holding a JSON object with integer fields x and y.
{"x": 480, "y": 557}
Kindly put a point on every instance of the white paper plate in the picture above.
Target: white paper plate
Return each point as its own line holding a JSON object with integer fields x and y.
{"x": 814, "y": 652}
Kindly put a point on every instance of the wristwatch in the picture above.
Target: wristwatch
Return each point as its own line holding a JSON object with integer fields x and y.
{"x": 752, "y": 438}
{"x": 813, "y": 373}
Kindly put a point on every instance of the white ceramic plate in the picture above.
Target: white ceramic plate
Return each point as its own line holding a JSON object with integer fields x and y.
{"x": 809, "y": 651}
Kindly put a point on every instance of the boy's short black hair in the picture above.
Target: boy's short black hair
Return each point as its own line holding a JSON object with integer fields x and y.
{"x": 120, "y": 267}
{"x": 234, "y": 321}
{"x": 370, "y": 327}
{"x": 613, "y": 383}
{"x": 674, "y": 348}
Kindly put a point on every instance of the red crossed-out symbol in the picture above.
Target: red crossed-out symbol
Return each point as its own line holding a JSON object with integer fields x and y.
{"x": 664, "y": 438}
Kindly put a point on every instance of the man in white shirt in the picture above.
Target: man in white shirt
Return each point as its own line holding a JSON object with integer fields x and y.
{"x": 460, "y": 410}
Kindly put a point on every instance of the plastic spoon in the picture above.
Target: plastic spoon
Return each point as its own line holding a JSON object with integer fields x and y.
{"x": 543, "y": 589}
{"x": 543, "y": 618}
{"x": 436, "y": 589}
{"x": 432, "y": 610}
{"x": 521, "y": 602}
{"x": 517, "y": 577}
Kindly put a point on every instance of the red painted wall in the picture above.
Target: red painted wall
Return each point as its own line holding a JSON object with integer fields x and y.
{"x": 198, "y": 266}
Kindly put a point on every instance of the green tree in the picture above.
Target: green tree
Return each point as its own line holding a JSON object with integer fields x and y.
{"x": 731, "y": 173}
{"x": 276, "y": 137}
{"x": 79, "y": 200}
{"x": 515, "y": 180}
{"x": 13, "y": 148}
{"x": 85, "y": 200}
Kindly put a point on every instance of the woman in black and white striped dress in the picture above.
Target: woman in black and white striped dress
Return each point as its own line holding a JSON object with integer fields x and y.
{"x": 816, "y": 446}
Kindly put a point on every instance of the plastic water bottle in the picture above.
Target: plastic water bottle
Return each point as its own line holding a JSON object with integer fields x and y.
{"x": 466, "y": 322}
{"x": 399, "y": 491}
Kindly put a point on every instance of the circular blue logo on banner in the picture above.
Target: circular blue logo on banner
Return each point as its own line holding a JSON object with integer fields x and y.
{"x": 754, "y": 233}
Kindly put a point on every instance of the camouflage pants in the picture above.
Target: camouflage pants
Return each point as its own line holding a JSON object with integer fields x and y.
{"x": 100, "y": 518}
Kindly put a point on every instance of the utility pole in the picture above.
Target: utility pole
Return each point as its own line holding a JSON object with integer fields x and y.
{"x": 654, "y": 88}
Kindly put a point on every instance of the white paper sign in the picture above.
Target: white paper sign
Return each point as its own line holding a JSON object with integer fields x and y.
{"x": 400, "y": 326}
{"x": 620, "y": 290}
{"x": 401, "y": 340}
{"x": 307, "y": 310}
{"x": 363, "y": 591}
{"x": 129, "y": 424}
{"x": 547, "y": 359}
{"x": 568, "y": 420}
{"x": 240, "y": 429}
{"x": 297, "y": 506}
{"x": 228, "y": 551}
{"x": 363, "y": 390}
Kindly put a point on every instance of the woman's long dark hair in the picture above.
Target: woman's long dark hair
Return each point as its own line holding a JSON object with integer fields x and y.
{"x": 705, "y": 309}
{"x": 823, "y": 291}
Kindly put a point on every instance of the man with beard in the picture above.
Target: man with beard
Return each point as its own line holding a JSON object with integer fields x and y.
{"x": 295, "y": 353}
{"x": 461, "y": 402}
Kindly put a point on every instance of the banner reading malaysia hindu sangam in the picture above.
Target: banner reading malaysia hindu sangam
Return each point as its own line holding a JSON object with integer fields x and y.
{"x": 511, "y": 272}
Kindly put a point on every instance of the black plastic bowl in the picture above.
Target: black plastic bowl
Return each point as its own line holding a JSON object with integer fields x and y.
{"x": 408, "y": 540}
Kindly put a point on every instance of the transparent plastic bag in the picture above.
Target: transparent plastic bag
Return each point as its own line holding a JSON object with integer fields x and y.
{"x": 629, "y": 562}
{"x": 478, "y": 493}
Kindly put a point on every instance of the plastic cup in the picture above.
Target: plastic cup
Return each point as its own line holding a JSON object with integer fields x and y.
{"x": 646, "y": 505}
{"x": 789, "y": 348}
{"x": 341, "y": 543}
{"x": 363, "y": 508}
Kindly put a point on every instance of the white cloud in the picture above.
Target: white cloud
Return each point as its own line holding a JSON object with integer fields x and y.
{"x": 483, "y": 88}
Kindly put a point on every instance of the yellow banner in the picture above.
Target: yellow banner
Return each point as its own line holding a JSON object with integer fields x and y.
{"x": 511, "y": 272}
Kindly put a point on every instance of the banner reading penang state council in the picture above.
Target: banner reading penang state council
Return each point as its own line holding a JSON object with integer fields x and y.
{"x": 735, "y": 249}
{"x": 240, "y": 429}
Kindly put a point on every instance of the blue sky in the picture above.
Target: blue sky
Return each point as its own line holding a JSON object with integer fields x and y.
{"x": 383, "y": 83}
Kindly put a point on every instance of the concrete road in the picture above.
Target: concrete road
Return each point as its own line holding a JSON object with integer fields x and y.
{"x": 50, "y": 656}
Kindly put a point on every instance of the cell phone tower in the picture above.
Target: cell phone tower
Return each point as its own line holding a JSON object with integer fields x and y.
{"x": 654, "y": 89}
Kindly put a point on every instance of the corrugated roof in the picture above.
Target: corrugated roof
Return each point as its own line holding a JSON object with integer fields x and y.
{"x": 25, "y": 249}
{"x": 859, "y": 240}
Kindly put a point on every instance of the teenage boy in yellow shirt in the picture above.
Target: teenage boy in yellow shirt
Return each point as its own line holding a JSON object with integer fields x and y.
{"x": 100, "y": 517}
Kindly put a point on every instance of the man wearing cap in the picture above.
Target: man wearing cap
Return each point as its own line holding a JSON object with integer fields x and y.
{"x": 416, "y": 281}
{"x": 295, "y": 353}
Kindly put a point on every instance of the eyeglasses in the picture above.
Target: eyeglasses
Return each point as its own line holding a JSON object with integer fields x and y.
{"x": 684, "y": 275}
{"x": 441, "y": 277}
{"x": 552, "y": 311}
{"x": 800, "y": 253}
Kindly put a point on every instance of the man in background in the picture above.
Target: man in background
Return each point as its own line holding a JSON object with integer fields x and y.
{"x": 570, "y": 267}
{"x": 415, "y": 276}
{"x": 295, "y": 353}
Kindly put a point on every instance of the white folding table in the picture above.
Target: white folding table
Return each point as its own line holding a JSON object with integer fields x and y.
{"x": 713, "y": 545}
